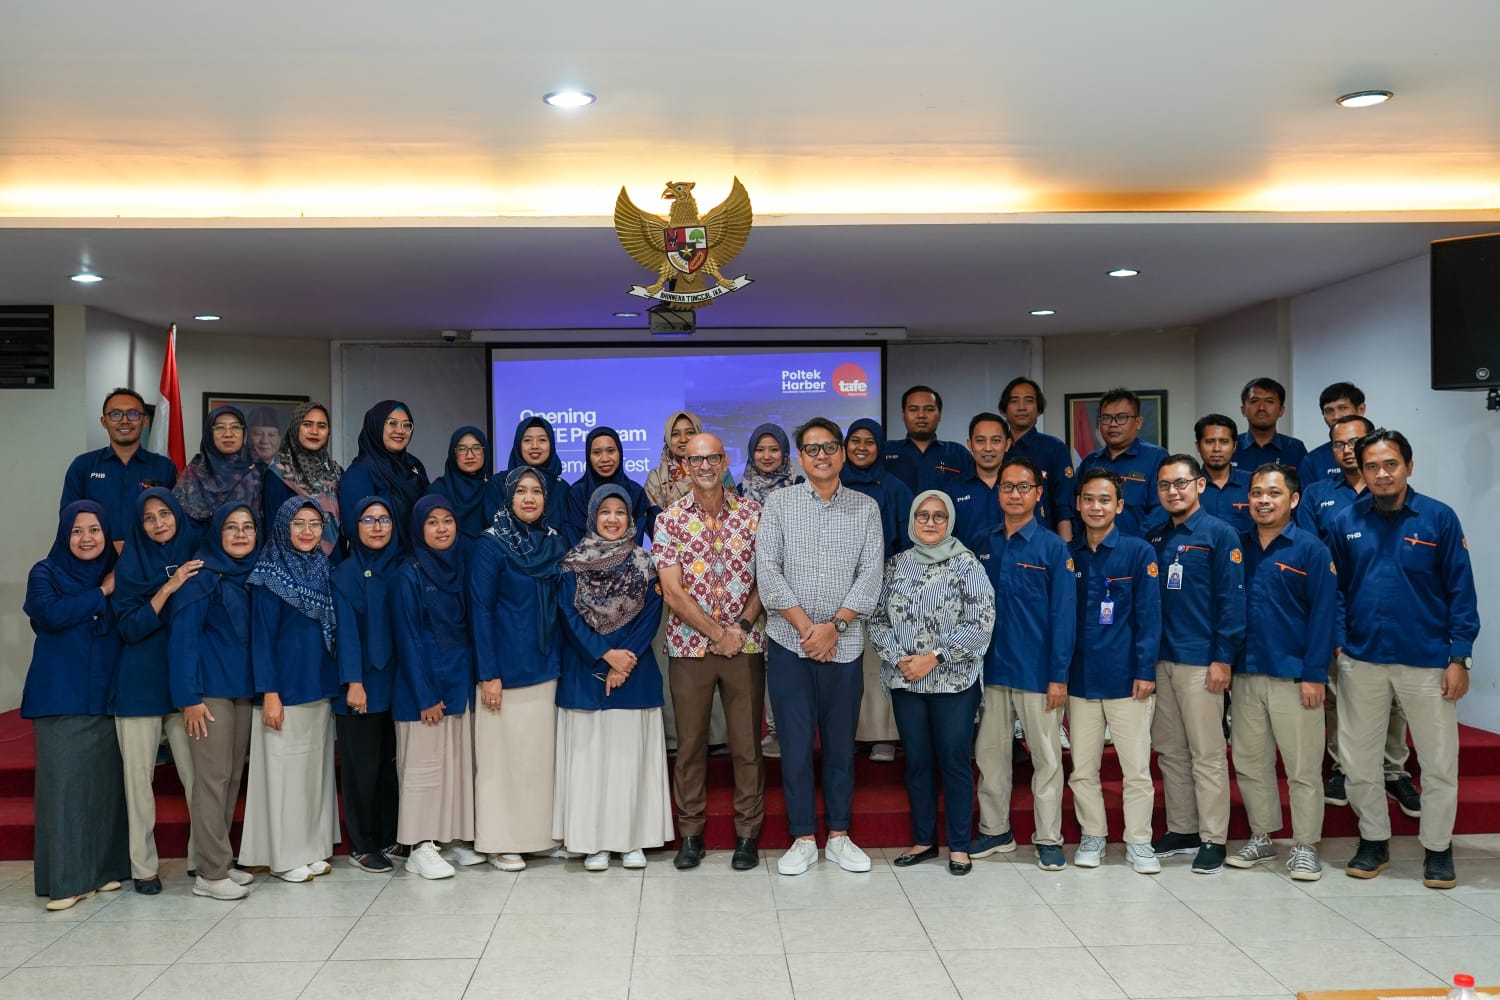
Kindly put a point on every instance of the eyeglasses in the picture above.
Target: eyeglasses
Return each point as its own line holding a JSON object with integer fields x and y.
{"x": 239, "y": 529}
{"x": 1021, "y": 488}
{"x": 468, "y": 449}
{"x": 1166, "y": 485}
{"x": 307, "y": 524}
{"x": 931, "y": 517}
{"x": 383, "y": 520}
{"x": 398, "y": 425}
{"x": 1117, "y": 419}
{"x": 1344, "y": 445}
{"x": 699, "y": 461}
{"x": 825, "y": 448}
{"x": 130, "y": 415}
{"x": 227, "y": 428}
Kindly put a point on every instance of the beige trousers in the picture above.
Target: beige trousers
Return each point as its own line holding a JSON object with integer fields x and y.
{"x": 877, "y": 723}
{"x": 992, "y": 752}
{"x": 1129, "y": 723}
{"x": 1268, "y": 716}
{"x": 1366, "y": 690}
{"x": 139, "y": 737}
{"x": 1188, "y": 734}
{"x": 1396, "y": 750}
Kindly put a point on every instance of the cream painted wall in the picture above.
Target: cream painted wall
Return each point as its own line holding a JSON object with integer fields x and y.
{"x": 1091, "y": 363}
{"x": 1246, "y": 344}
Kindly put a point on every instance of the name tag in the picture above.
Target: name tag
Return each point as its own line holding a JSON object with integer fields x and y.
{"x": 1174, "y": 576}
{"x": 1106, "y": 612}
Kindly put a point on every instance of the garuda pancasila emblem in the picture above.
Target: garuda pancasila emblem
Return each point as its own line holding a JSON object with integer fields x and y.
{"x": 682, "y": 248}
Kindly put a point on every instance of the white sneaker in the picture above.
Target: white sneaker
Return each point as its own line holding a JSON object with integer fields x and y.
{"x": 596, "y": 862}
{"x": 561, "y": 854}
{"x": 320, "y": 868}
{"x": 801, "y": 856}
{"x": 426, "y": 861}
{"x": 635, "y": 859}
{"x": 1062, "y": 737}
{"x": 883, "y": 753}
{"x": 843, "y": 852}
{"x": 1143, "y": 859}
{"x": 1020, "y": 730}
{"x": 508, "y": 862}
{"x": 1109, "y": 739}
{"x": 240, "y": 877}
{"x": 299, "y": 874}
{"x": 219, "y": 888}
{"x": 770, "y": 746}
{"x": 1090, "y": 851}
{"x": 460, "y": 853}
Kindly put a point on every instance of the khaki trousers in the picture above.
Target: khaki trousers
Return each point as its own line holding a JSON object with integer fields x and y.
{"x": 140, "y": 737}
{"x": 218, "y": 767}
{"x": 1268, "y": 716}
{"x": 877, "y": 721}
{"x": 992, "y": 752}
{"x": 1188, "y": 734}
{"x": 1129, "y": 723}
{"x": 1396, "y": 750}
{"x": 1367, "y": 689}
{"x": 740, "y": 682}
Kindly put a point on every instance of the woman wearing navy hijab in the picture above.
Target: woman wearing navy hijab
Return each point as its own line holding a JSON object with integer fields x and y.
{"x": 208, "y": 656}
{"x": 80, "y": 793}
{"x": 535, "y": 447}
{"x": 225, "y": 470}
{"x": 156, "y": 564}
{"x": 513, "y": 584}
{"x": 384, "y": 467}
{"x": 366, "y": 659}
{"x": 604, "y": 464}
{"x": 291, "y": 812}
{"x": 466, "y": 475}
{"x": 430, "y": 703}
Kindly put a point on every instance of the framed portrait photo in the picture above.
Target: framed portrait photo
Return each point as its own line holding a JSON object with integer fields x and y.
{"x": 1083, "y": 420}
{"x": 266, "y": 417}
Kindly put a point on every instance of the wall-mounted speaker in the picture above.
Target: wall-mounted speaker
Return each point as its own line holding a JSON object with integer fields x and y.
{"x": 1466, "y": 313}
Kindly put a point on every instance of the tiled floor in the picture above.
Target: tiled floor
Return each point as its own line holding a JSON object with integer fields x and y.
{"x": 1007, "y": 931}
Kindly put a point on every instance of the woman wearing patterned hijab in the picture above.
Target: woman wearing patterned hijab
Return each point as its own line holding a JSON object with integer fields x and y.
{"x": 611, "y": 788}
{"x": 225, "y": 469}
{"x": 384, "y": 467}
{"x": 304, "y": 466}
{"x": 768, "y": 464}
{"x": 291, "y": 818}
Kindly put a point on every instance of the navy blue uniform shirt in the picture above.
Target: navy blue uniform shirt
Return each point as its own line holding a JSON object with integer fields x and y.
{"x": 1292, "y": 594}
{"x": 1051, "y": 456}
{"x": 1407, "y": 583}
{"x": 505, "y": 612}
{"x": 580, "y": 686}
{"x": 976, "y": 510}
{"x": 1231, "y": 502}
{"x": 1036, "y": 602}
{"x": 1321, "y": 503}
{"x": 205, "y": 656}
{"x": 943, "y": 462}
{"x": 76, "y": 652}
{"x": 1136, "y": 465}
{"x": 1109, "y": 658}
{"x": 1319, "y": 465}
{"x": 1203, "y": 620}
{"x": 432, "y": 665}
{"x": 1281, "y": 448}
{"x": 287, "y": 653}
{"x": 100, "y": 476}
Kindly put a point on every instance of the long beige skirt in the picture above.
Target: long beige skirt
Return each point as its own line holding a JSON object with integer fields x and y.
{"x": 877, "y": 723}
{"x": 435, "y": 774}
{"x": 612, "y": 790}
{"x": 291, "y": 817}
{"x": 515, "y": 751}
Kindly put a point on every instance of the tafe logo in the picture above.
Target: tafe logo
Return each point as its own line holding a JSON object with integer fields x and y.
{"x": 849, "y": 380}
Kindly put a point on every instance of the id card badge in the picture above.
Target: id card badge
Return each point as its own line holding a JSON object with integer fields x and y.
{"x": 1106, "y": 612}
{"x": 1174, "y": 576}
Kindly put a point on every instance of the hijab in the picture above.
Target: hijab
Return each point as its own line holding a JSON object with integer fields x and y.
{"x": 363, "y": 579}
{"x": 676, "y": 467}
{"x": 446, "y": 609}
{"x": 890, "y": 494}
{"x": 944, "y": 549}
{"x": 757, "y": 485}
{"x": 213, "y": 479}
{"x": 553, "y": 465}
{"x": 71, "y": 574}
{"x": 146, "y": 564}
{"x": 536, "y": 549}
{"x": 300, "y": 579}
{"x": 311, "y": 473}
{"x": 466, "y": 489}
{"x": 849, "y": 475}
{"x": 614, "y": 577}
{"x": 222, "y": 574}
{"x": 401, "y": 472}
{"x": 592, "y": 479}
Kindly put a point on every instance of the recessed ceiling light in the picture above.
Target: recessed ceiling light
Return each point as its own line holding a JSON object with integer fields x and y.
{"x": 1124, "y": 272}
{"x": 626, "y": 315}
{"x": 208, "y": 318}
{"x": 1364, "y": 98}
{"x": 1044, "y": 312}
{"x": 569, "y": 99}
{"x": 85, "y": 278}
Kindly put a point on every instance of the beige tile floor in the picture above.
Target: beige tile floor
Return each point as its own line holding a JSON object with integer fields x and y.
{"x": 1007, "y": 931}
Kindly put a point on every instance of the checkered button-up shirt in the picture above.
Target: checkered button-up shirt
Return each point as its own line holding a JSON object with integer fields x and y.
{"x": 716, "y": 553}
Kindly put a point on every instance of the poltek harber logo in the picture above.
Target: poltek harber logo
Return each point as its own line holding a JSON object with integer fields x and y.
{"x": 849, "y": 380}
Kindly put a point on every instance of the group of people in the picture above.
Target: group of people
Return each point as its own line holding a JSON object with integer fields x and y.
{"x": 483, "y": 647}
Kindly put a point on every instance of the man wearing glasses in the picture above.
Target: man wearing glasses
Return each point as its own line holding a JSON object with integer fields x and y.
{"x": 1127, "y": 456}
{"x": 1202, "y": 583}
{"x": 114, "y": 475}
{"x": 704, "y": 547}
{"x": 819, "y": 562}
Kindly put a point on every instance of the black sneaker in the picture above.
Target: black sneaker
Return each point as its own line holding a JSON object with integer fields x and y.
{"x": 1406, "y": 795}
{"x": 397, "y": 853}
{"x": 370, "y": 861}
{"x": 1209, "y": 860}
{"x": 1019, "y": 754}
{"x": 1171, "y": 843}
{"x": 1437, "y": 870}
{"x": 1333, "y": 792}
{"x": 1370, "y": 859}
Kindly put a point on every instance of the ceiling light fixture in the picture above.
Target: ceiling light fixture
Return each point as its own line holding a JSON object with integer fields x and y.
{"x": 85, "y": 278}
{"x": 569, "y": 99}
{"x": 208, "y": 318}
{"x": 626, "y": 315}
{"x": 1124, "y": 272}
{"x": 1044, "y": 312}
{"x": 1364, "y": 98}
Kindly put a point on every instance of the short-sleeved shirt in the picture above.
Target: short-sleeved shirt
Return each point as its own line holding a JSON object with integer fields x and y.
{"x": 716, "y": 553}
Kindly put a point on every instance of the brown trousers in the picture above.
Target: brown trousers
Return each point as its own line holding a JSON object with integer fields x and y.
{"x": 741, "y": 684}
{"x": 218, "y": 767}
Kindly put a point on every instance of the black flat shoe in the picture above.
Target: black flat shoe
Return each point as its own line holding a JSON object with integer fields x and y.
{"x": 960, "y": 867}
{"x": 746, "y": 855}
{"x": 689, "y": 854}
{"x": 148, "y": 886}
{"x": 907, "y": 860}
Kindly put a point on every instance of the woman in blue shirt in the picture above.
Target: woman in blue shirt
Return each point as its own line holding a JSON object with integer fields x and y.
{"x": 604, "y": 463}
{"x": 430, "y": 702}
{"x": 513, "y": 584}
{"x": 465, "y": 480}
{"x": 611, "y": 785}
{"x": 155, "y": 565}
{"x": 534, "y": 446}
{"x": 768, "y": 464}
{"x": 383, "y": 467}
{"x": 81, "y": 845}
{"x": 291, "y": 816}
{"x": 366, "y": 661}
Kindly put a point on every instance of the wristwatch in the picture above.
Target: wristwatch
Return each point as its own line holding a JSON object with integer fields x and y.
{"x": 1467, "y": 662}
{"x": 840, "y": 626}
{"x": 940, "y": 656}
{"x": 744, "y": 625}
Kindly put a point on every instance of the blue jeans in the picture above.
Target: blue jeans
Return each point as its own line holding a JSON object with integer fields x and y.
{"x": 815, "y": 701}
{"x": 937, "y": 731}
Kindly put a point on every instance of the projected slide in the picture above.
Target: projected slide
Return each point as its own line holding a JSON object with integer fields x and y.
{"x": 634, "y": 390}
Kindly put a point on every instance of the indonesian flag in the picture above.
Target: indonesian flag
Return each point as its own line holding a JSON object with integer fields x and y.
{"x": 166, "y": 427}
